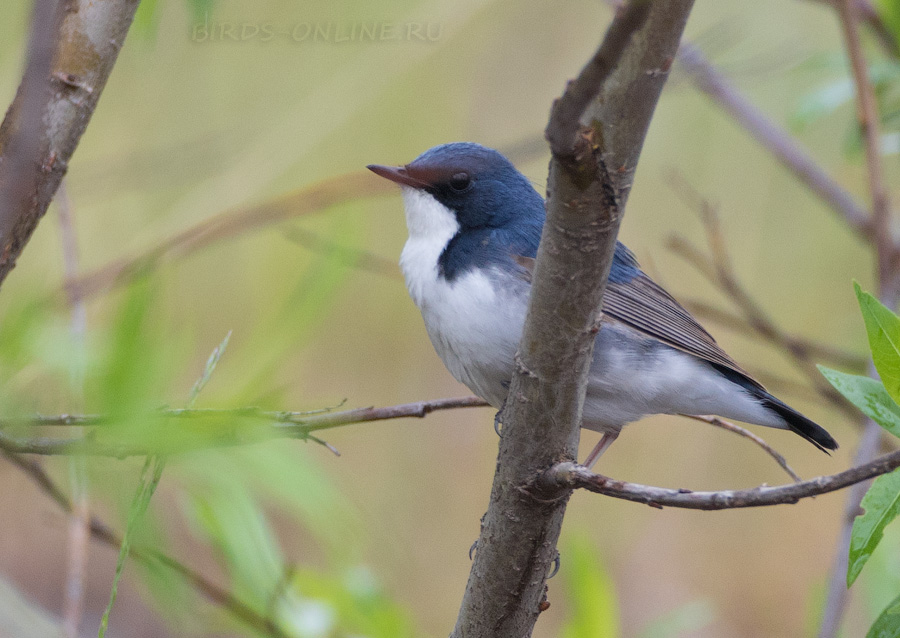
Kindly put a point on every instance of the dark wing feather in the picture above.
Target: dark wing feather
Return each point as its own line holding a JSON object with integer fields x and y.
{"x": 643, "y": 305}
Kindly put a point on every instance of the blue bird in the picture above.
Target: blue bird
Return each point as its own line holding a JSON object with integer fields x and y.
{"x": 474, "y": 225}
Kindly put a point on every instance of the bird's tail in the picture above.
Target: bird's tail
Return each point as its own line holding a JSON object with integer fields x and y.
{"x": 808, "y": 429}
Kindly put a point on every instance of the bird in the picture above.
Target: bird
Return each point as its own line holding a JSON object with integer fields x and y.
{"x": 474, "y": 223}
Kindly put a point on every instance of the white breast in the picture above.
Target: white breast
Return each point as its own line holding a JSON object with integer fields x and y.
{"x": 473, "y": 323}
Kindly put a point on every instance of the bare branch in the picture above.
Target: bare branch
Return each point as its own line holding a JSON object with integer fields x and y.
{"x": 569, "y": 475}
{"x": 775, "y": 139}
{"x": 79, "y": 523}
{"x": 731, "y": 427}
{"x": 278, "y": 425}
{"x": 886, "y": 254}
{"x": 590, "y": 175}
{"x": 818, "y": 350}
{"x": 62, "y": 96}
{"x": 232, "y": 223}
{"x": 867, "y": 13}
{"x": 101, "y": 532}
{"x": 867, "y": 112}
{"x": 719, "y": 271}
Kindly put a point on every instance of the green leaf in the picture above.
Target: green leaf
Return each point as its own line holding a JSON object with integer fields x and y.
{"x": 889, "y": 10}
{"x": 883, "y": 327}
{"x": 150, "y": 476}
{"x": 594, "y": 609}
{"x": 888, "y": 623}
{"x": 868, "y": 395}
{"x": 882, "y": 505}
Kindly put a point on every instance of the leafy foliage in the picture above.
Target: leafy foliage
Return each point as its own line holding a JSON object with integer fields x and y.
{"x": 591, "y": 595}
{"x": 878, "y": 401}
{"x": 888, "y": 623}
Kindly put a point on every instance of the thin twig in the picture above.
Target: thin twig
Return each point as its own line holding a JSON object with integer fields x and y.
{"x": 886, "y": 254}
{"x": 868, "y": 13}
{"x": 570, "y": 475}
{"x": 775, "y": 139}
{"x": 103, "y": 533}
{"x": 79, "y": 532}
{"x": 279, "y": 425}
{"x": 719, "y": 270}
{"x": 817, "y": 350}
{"x": 867, "y": 112}
{"x": 731, "y": 427}
{"x": 233, "y": 223}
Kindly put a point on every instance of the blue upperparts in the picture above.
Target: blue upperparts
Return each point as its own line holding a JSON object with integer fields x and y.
{"x": 499, "y": 213}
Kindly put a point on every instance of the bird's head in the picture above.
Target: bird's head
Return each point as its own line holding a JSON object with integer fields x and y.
{"x": 464, "y": 187}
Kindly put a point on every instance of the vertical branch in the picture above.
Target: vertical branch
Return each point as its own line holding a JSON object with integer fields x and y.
{"x": 596, "y": 131}
{"x": 867, "y": 113}
{"x": 888, "y": 288}
{"x": 52, "y": 108}
{"x": 79, "y": 523}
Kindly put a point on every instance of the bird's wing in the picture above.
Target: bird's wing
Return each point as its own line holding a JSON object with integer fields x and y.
{"x": 639, "y": 302}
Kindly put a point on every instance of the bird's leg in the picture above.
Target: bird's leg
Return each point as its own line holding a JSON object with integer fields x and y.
{"x": 498, "y": 418}
{"x": 605, "y": 441}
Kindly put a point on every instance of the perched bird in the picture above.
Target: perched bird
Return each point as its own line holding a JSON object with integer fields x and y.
{"x": 474, "y": 225}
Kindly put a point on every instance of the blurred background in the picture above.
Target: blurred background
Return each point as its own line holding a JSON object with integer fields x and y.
{"x": 220, "y": 106}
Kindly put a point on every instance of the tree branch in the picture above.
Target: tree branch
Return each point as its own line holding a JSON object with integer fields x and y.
{"x": 775, "y": 139}
{"x": 886, "y": 253}
{"x": 102, "y": 533}
{"x": 568, "y": 475}
{"x": 298, "y": 425}
{"x": 590, "y": 176}
{"x": 52, "y": 108}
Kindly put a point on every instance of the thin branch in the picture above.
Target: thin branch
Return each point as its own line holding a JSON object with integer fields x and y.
{"x": 731, "y": 427}
{"x": 79, "y": 523}
{"x": 62, "y": 96}
{"x": 775, "y": 139}
{"x": 298, "y": 425}
{"x": 596, "y": 132}
{"x": 868, "y": 13}
{"x": 719, "y": 270}
{"x": 568, "y": 475}
{"x": 233, "y": 223}
{"x": 817, "y": 350}
{"x": 867, "y": 112}
{"x": 102, "y": 533}
{"x": 886, "y": 254}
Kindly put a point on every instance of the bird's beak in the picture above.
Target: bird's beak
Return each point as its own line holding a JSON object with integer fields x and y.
{"x": 397, "y": 174}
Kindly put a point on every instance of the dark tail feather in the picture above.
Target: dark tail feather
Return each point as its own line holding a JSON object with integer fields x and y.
{"x": 806, "y": 428}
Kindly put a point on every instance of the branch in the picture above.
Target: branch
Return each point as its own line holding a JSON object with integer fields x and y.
{"x": 747, "y": 434}
{"x": 101, "y": 532}
{"x": 297, "y": 425}
{"x": 867, "y": 112}
{"x": 775, "y": 139}
{"x": 888, "y": 289}
{"x": 719, "y": 271}
{"x": 52, "y": 109}
{"x": 818, "y": 350}
{"x": 590, "y": 176}
{"x": 568, "y": 475}
{"x": 232, "y": 223}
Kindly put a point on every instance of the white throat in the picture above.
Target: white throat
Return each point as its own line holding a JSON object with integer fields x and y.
{"x": 431, "y": 226}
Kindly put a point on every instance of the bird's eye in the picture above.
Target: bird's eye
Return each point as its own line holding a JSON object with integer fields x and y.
{"x": 460, "y": 182}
